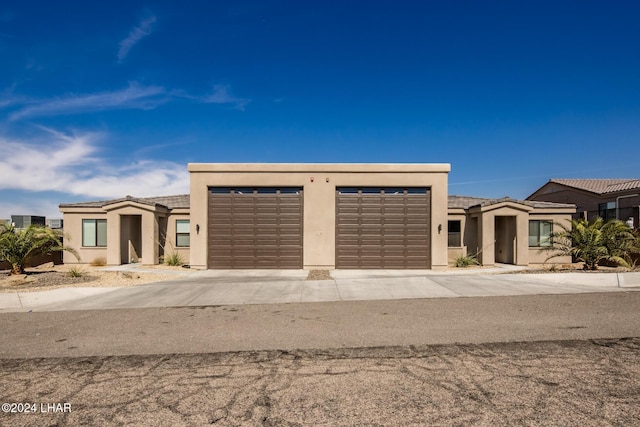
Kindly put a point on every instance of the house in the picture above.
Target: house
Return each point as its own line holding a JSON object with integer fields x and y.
{"x": 606, "y": 198}
{"x": 130, "y": 229}
{"x": 314, "y": 216}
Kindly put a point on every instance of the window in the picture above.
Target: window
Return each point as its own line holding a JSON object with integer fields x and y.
{"x": 607, "y": 211}
{"x": 182, "y": 233}
{"x": 454, "y": 234}
{"x": 94, "y": 232}
{"x": 540, "y": 233}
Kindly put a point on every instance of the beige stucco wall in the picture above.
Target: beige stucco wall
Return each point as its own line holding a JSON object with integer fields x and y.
{"x": 507, "y": 238}
{"x": 517, "y": 226}
{"x": 170, "y": 242}
{"x": 537, "y": 256}
{"x": 133, "y": 231}
{"x": 319, "y": 182}
{"x": 73, "y": 235}
{"x": 463, "y": 249}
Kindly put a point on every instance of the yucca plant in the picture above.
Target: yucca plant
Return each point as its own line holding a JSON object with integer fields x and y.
{"x": 594, "y": 242}
{"x": 174, "y": 259}
{"x": 19, "y": 246}
{"x": 76, "y": 272}
{"x": 466, "y": 261}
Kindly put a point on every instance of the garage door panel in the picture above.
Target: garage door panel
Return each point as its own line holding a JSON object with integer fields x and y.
{"x": 394, "y": 209}
{"x": 371, "y": 241}
{"x": 348, "y": 252}
{"x": 371, "y": 210}
{"x": 255, "y": 228}
{"x": 348, "y": 241}
{"x": 390, "y": 229}
{"x": 288, "y": 253}
{"x": 290, "y": 210}
{"x": 393, "y": 221}
{"x": 289, "y": 220}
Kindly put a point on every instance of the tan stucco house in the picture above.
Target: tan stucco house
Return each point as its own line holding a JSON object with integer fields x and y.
{"x": 314, "y": 216}
{"x": 605, "y": 198}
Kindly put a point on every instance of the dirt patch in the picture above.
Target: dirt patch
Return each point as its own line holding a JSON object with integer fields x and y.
{"x": 319, "y": 275}
{"x": 48, "y": 277}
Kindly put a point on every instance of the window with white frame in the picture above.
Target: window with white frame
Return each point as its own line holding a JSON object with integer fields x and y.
{"x": 182, "y": 233}
{"x": 540, "y": 233}
{"x": 94, "y": 232}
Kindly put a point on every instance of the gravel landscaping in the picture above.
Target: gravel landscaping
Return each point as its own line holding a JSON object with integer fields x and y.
{"x": 48, "y": 276}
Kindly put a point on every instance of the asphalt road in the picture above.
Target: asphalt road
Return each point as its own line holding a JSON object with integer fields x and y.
{"x": 319, "y": 325}
{"x": 585, "y": 383}
{"x": 527, "y": 360}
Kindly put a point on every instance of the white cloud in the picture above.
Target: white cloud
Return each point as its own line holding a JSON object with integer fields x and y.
{"x": 222, "y": 95}
{"x": 132, "y": 97}
{"x": 138, "y": 32}
{"x": 71, "y": 164}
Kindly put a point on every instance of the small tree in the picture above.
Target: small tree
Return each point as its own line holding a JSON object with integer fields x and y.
{"x": 19, "y": 246}
{"x": 594, "y": 242}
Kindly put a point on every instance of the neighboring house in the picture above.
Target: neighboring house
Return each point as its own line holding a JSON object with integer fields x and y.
{"x": 324, "y": 216}
{"x": 127, "y": 230}
{"x": 606, "y": 198}
{"x": 505, "y": 230}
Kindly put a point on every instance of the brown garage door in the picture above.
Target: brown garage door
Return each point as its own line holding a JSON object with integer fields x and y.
{"x": 383, "y": 228}
{"x": 255, "y": 227}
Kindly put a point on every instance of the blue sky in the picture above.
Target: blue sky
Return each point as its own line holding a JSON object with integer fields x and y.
{"x": 104, "y": 99}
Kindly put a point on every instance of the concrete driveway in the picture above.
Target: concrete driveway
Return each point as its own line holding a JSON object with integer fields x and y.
{"x": 216, "y": 287}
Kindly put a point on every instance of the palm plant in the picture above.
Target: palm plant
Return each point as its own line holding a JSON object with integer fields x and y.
{"x": 594, "y": 242}
{"x": 19, "y": 246}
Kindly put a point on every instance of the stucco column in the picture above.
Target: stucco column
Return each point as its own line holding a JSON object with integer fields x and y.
{"x": 319, "y": 224}
{"x": 439, "y": 221}
{"x": 522, "y": 239}
{"x": 113, "y": 238}
{"x": 488, "y": 238}
{"x": 149, "y": 238}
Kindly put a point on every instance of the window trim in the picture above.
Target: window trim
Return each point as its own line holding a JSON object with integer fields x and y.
{"x": 95, "y": 221}
{"x": 188, "y": 234}
{"x": 548, "y": 242}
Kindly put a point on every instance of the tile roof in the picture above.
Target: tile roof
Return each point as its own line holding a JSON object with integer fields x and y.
{"x": 466, "y": 202}
{"x": 600, "y": 186}
{"x": 182, "y": 201}
{"x": 170, "y": 202}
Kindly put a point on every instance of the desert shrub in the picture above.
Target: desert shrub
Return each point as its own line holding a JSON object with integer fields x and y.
{"x": 76, "y": 272}
{"x": 173, "y": 259}
{"x": 98, "y": 262}
{"x": 466, "y": 261}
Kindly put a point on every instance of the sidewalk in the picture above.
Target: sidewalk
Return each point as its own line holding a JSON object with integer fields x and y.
{"x": 215, "y": 287}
